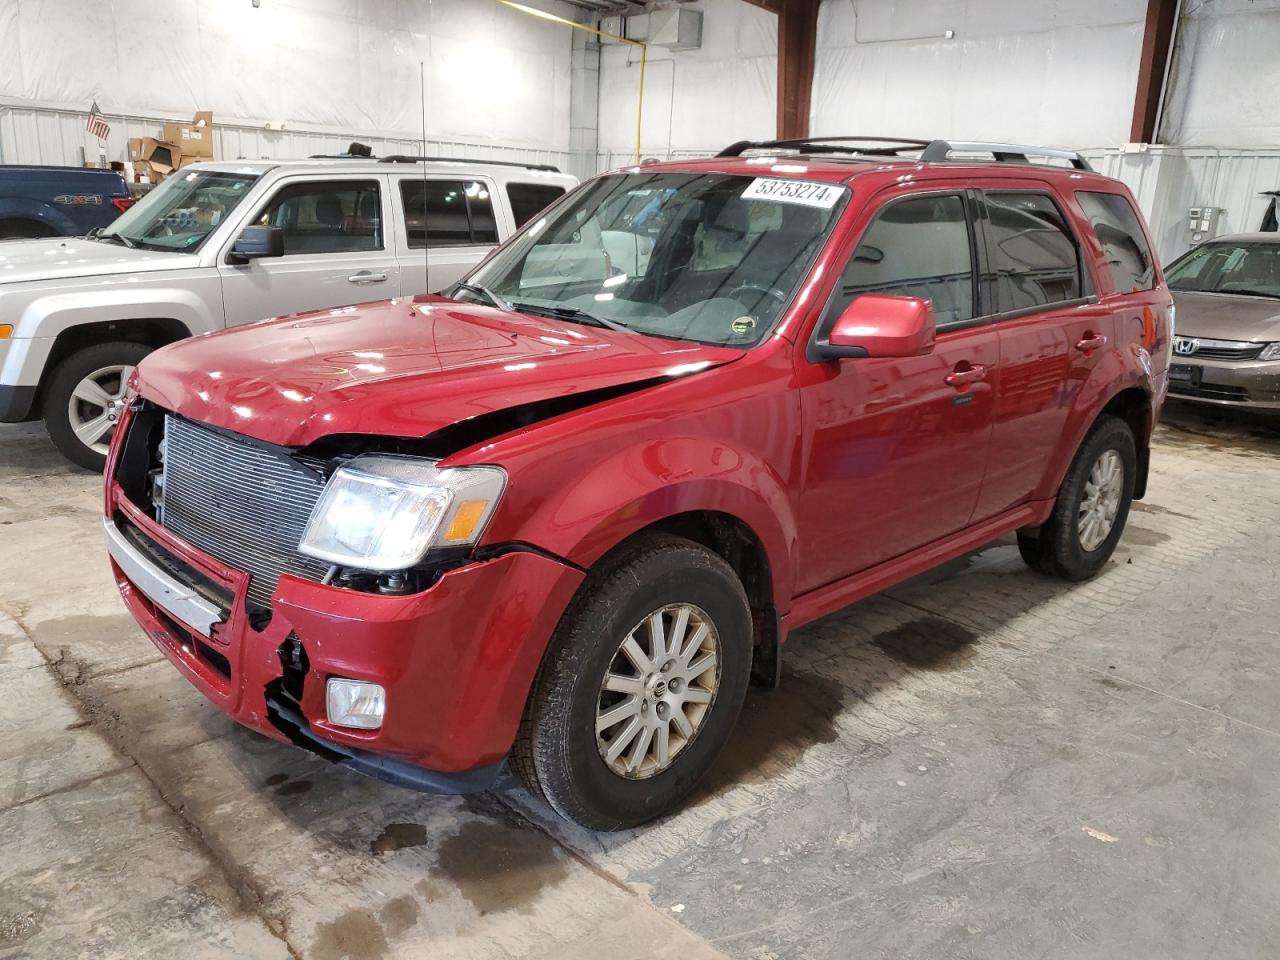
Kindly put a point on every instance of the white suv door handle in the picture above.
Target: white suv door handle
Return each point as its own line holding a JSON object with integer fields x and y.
{"x": 364, "y": 276}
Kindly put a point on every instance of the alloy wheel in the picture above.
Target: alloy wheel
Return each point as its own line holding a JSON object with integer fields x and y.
{"x": 658, "y": 690}
{"x": 1103, "y": 491}
{"x": 97, "y": 403}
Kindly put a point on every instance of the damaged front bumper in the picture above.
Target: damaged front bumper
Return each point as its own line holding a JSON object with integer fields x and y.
{"x": 456, "y": 660}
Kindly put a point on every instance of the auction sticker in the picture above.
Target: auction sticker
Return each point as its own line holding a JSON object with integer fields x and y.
{"x": 793, "y": 191}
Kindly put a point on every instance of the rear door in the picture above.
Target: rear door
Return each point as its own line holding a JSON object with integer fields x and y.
{"x": 1052, "y": 334}
{"x": 898, "y": 446}
{"x": 336, "y": 250}
{"x": 445, "y": 225}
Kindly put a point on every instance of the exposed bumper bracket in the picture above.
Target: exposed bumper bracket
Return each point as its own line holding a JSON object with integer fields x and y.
{"x": 178, "y": 600}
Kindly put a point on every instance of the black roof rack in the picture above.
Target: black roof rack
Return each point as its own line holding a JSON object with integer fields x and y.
{"x": 931, "y": 151}
{"x": 409, "y": 158}
{"x": 891, "y": 146}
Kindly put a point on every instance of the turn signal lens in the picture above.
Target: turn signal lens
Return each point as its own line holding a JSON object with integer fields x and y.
{"x": 6, "y": 331}
{"x": 355, "y": 703}
{"x": 465, "y": 521}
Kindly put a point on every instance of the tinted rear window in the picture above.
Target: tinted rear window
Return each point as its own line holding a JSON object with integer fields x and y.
{"x": 1033, "y": 252}
{"x": 530, "y": 199}
{"x": 1123, "y": 244}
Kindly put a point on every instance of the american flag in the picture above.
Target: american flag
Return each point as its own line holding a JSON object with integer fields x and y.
{"x": 97, "y": 124}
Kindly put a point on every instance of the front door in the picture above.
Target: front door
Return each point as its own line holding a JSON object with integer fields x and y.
{"x": 336, "y": 251}
{"x": 898, "y": 446}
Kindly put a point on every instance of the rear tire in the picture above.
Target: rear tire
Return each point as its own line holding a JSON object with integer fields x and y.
{"x": 572, "y": 750}
{"x": 79, "y": 418}
{"x": 1091, "y": 509}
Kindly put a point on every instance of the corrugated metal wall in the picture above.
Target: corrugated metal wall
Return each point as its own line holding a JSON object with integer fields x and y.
{"x": 48, "y": 135}
{"x": 1167, "y": 181}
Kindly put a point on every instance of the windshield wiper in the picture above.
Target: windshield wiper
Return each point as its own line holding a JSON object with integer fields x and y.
{"x": 493, "y": 298}
{"x": 120, "y": 237}
{"x": 573, "y": 315}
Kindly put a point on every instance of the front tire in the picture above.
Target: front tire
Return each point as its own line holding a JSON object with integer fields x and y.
{"x": 640, "y": 687}
{"x": 1092, "y": 506}
{"x": 85, "y": 397}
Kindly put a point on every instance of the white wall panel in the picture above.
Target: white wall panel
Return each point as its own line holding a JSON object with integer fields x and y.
{"x": 494, "y": 75}
{"x": 1040, "y": 71}
{"x": 695, "y": 100}
{"x": 1225, "y": 87}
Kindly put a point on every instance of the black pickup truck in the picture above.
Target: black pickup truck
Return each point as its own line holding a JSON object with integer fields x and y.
{"x": 59, "y": 201}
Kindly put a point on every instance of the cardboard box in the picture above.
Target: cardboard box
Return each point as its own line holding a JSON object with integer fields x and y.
{"x": 159, "y": 154}
{"x": 194, "y": 139}
{"x": 188, "y": 161}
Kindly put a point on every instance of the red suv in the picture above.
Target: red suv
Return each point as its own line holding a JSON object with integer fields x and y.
{"x": 562, "y": 516}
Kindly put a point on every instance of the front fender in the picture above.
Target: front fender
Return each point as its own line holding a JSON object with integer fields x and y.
{"x": 47, "y": 315}
{"x": 653, "y": 481}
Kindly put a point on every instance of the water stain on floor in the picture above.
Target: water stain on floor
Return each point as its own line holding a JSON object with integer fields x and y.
{"x": 775, "y": 728}
{"x": 498, "y": 866}
{"x": 398, "y": 836}
{"x": 356, "y": 935}
{"x": 929, "y": 643}
{"x": 400, "y": 915}
{"x": 1139, "y": 536}
{"x": 1143, "y": 506}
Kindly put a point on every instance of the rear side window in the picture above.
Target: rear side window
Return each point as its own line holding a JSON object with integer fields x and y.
{"x": 917, "y": 247}
{"x": 1033, "y": 253}
{"x": 530, "y": 199}
{"x": 339, "y": 216}
{"x": 1123, "y": 244}
{"x": 455, "y": 213}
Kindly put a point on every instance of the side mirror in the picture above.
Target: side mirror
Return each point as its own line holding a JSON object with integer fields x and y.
{"x": 880, "y": 325}
{"x": 256, "y": 242}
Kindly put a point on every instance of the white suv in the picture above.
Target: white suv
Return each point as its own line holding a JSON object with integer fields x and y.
{"x": 226, "y": 243}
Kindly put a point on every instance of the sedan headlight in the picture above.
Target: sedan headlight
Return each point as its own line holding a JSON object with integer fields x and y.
{"x": 383, "y": 513}
{"x": 1270, "y": 352}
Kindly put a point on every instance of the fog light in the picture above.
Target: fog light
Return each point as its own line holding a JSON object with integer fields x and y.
{"x": 354, "y": 703}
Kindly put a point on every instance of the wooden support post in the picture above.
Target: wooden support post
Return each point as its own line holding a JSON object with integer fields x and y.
{"x": 1157, "y": 46}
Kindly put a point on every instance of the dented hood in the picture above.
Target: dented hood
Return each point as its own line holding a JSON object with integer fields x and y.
{"x": 400, "y": 368}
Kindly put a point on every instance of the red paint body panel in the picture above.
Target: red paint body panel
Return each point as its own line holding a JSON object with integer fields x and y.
{"x": 399, "y": 368}
{"x": 852, "y": 475}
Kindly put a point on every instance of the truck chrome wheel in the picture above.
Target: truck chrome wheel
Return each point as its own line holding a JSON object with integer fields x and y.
{"x": 658, "y": 690}
{"x": 96, "y": 404}
{"x": 1101, "y": 501}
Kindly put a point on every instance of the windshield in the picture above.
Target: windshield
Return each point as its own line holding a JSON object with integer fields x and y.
{"x": 1245, "y": 269}
{"x": 707, "y": 257}
{"x": 180, "y": 214}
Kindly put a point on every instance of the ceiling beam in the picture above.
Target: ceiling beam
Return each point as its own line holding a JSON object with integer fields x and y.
{"x": 1157, "y": 46}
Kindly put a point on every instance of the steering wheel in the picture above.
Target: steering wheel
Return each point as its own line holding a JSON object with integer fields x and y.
{"x": 758, "y": 288}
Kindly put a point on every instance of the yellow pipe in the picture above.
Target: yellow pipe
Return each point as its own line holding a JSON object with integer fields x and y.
{"x": 644, "y": 51}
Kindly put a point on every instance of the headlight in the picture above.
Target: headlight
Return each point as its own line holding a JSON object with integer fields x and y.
{"x": 383, "y": 513}
{"x": 1270, "y": 352}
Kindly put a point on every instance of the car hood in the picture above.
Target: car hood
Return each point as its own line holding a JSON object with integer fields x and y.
{"x": 398, "y": 368}
{"x": 1226, "y": 316}
{"x": 62, "y": 258}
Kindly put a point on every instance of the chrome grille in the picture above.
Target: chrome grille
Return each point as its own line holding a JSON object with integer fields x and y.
{"x": 1216, "y": 349}
{"x": 240, "y": 502}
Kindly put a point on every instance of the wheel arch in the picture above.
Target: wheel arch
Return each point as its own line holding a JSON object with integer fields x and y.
{"x": 153, "y": 332}
{"x": 733, "y": 540}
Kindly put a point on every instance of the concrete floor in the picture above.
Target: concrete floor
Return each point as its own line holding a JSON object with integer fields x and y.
{"x": 980, "y": 763}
